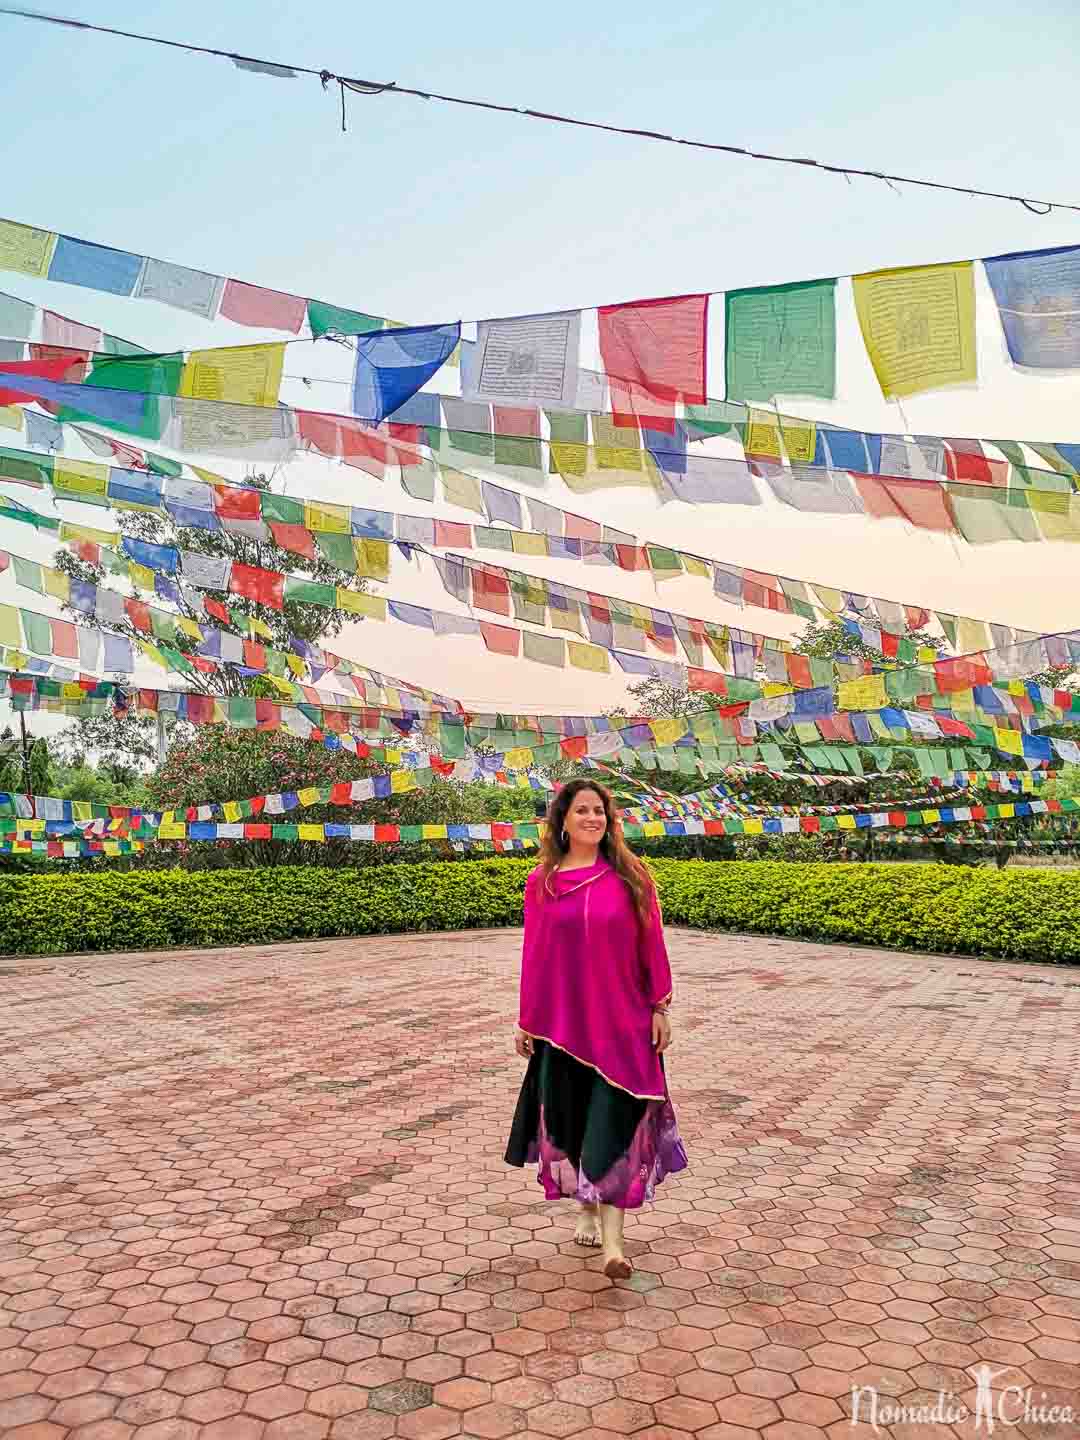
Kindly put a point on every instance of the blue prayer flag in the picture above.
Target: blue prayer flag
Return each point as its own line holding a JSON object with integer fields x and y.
{"x": 76, "y": 262}
{"x": 1038, "y": 299}
{"x": 392, "y": 365}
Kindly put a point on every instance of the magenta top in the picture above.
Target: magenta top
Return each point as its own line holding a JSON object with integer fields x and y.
{"x": 591, "y": 974}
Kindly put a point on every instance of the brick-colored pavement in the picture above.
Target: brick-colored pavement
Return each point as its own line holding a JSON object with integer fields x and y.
{"x": 258, "y": 1194}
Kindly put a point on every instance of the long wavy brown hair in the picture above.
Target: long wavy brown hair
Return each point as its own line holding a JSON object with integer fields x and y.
{"x": 613, "y": 847}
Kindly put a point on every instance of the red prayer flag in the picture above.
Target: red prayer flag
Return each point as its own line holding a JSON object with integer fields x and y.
{"x": 798, "y": 670}
{"x": 500, "y": 639}
{"x": 269, "y": 309}
{"x": 217, "y": 610}
{"x": 490, "y": 591}
{"x": 65, "y": 640}
{"x": 579, "y": 528}
{"x": 710, "y": 680}
{"x": 264, "y": 587}
{"x": 258, "y": 832}
{"x": 631, "y": 557}
{"x": 451, "y": 532}
{"x": 515, "y": 420}
{"x": 922, "y": 503}
{"x": 267, "y": 717}
{"x": 341, "y": 794}
{"x": 236, "y": 502}
{"x": 966, "y": 461}
{"x": 387, "y": 832}
{"x": 254, "y": 655}
{"x": 654, "y": 354}
{"x": 51, "y": 369}
{"x": 294, "y": 538}
{"x": 138, "y": 613}
{"x": 575, "y": 747}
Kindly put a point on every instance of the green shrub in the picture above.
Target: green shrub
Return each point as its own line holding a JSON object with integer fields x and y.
{"x": 1027, "y": 915}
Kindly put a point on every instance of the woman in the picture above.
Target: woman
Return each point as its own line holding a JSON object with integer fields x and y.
{"x": 594, "y": 1108}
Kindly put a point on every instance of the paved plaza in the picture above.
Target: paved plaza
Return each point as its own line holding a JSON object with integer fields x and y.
{"x": 258, "y": 1194}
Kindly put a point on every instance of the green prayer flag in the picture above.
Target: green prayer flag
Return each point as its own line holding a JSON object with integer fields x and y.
{"x": 715, "y": 418}
{"x": 37, "y": 632}
{"x": 36, "y": 470}
{"x": 781, "y": 340}
{"x": 772, "y": 755}
{"x": 241, "y": 712}
{"x": 28, "y": 574}
{"x": 925, "y": 762}
{"x": 664, "y": 560}
{"x": 958, "y": 759}
{"x": 114, "y": 345}
{"x": 821, "y": 671}
{"x": 451, "y": 740}
{"x": 853, "y": 759}
{"x": 281, "y": 509}
{"x": 284, "y": 832}
{"x": 520, "y": 451}
{"x": 419, "y": 481}
{"x": 567, "y": 428}
{"x": 323, "y": 318}
{"x": 410, "y": 834}
{"x": 337, "y": 550}
{"x": 155, "y": 376}
{"x": 882, "y": 758}
{"x": 309, "y": 592}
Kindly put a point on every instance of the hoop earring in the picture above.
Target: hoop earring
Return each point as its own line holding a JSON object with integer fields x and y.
{"x": 564, "y": 840}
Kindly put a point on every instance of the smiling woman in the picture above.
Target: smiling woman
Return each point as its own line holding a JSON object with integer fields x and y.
{"x": 594, "y": 1109}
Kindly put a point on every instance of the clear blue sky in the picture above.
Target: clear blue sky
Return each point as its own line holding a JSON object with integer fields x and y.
{"x": 427, "y": 212}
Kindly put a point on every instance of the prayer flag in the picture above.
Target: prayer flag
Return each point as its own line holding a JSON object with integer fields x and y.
{"x": 393, "y": 365}
{"x": 26, "y": 250}
{"x": 269, "y": 309}
{"x": 918, "y": 326}
{"x": 654, "y": 353}
{"x": 77, "y": 262}
{"x": 1038, "y": 299}
{"x": 238, "y": 374}
{"x": 265, "y": 587}
{"x": 324, "y": 318}
{"x": 781, "y": 340}
{"x": 531, "y": 358}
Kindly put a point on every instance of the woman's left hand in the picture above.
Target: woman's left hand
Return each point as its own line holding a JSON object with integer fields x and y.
{"x": 661, "y": 1031}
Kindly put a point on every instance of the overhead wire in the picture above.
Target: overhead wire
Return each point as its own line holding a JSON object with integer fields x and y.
{"x": 373, "y": 88}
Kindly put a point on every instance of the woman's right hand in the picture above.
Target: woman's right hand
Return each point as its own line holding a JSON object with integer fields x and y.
{"x": 523, "y": 1043}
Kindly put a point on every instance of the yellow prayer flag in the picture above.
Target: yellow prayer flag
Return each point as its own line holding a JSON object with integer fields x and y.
{"x": 753, "y": 827}
{"x": 762, "y": 435}
{"x": 666, "y": 732}
{"x": 845, "y": 822}
{"x": 1017, "y": 687}
{"x": 866, "y": 693}
{"x": 152, "y": 653}
{"x": 189, "y": 627}
{"x": 525, "y": 543}
{"x": 10, "y": 633}
{"x": 694, "y": 566}
{"x": 231, "y": 811}
{"x": 461, "y": 489}
{"x": 918, "y": 325}
{"x": 800, "y": 439}
{"x": 373, "y": 558}
{"x": 392, "y": 757}
{"x": 326, "y": 518}
{"x": 260, "y": 628}
{"x": 310, "y": 832}
{"x": 1006, "y": 812}
{"x": 569, "y": 459}
{"x": 238, "y": 374}
{"x": 87, "y": 532}
{"x": 971, "y": 635}
{"x": 569, "y": 620}
{"x": 519, "y": 758}
{"x": 402, "y": 780}
{"x": 930, "y": 817}
{"x": 80, "y": 810}
{"x": 653, "y": 827}
{"x": 10, "y": 417}
{"x": 433, "y": 832}
{"x": 26, "y": 250}
{"x": 15, "y": 659}
{"x": 56, "y": 583}
{"x": 308, "y": 796}
{"x": 81, "y": 478}
{"x": 1011, "y": 741}
{"x": 1057, "y": 515}
{"x": 926, "y": 655}
{"x": 141, "y": 576}
{"x": 775, "y": 687}
{"x": 356, "y": 603}
{"x": 172, "y": 830}
{"x": 588, "y": 657}
{"x": 209, "y": 477}
{"x": 295, "y": 664}
{"x": 283, "y": 688}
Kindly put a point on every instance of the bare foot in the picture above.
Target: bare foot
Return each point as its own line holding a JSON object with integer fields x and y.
{"x": 618, "y": 1268}
{"x": 588, "y": 1230}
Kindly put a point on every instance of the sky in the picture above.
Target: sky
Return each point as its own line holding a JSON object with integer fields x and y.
{"x": 427, "y": 212}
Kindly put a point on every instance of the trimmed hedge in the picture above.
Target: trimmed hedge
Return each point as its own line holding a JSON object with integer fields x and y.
{"x": 1024, "y": 915}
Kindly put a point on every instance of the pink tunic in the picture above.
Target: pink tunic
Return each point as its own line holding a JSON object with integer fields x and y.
{"x": 591, "y": 974}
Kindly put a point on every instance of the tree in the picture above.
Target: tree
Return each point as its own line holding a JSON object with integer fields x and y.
{"x": 312, "y": 623}
{"x": 125, "y": 741}
{"x": 218, "y": 764}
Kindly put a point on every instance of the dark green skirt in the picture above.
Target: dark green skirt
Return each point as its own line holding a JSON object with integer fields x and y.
{"x": 592, "y": 1141}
